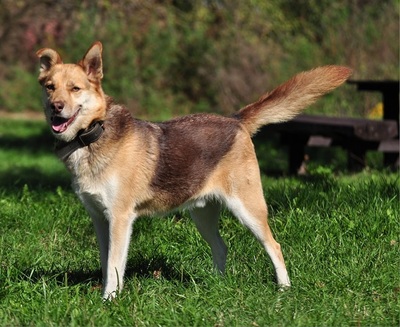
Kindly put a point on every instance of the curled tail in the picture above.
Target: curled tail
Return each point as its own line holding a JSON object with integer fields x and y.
{"x": 290, "y": 98}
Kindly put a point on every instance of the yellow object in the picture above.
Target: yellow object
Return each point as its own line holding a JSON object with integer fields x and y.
{"x": 376, "y": 112}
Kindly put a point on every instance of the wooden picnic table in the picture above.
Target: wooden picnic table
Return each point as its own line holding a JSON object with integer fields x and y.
{"x": 390, "y": 95}
{"x": 390, "y": 98}
{"x": 356, "y": 135}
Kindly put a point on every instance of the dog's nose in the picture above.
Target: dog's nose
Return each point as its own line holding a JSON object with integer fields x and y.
{"x": 57, "y": 106}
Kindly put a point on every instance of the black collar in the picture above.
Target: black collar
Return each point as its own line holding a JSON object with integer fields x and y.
{"x": 84, "y": 138}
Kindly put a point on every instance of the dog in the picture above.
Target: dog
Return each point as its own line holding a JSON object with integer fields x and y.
{"x": 123, "y": 168}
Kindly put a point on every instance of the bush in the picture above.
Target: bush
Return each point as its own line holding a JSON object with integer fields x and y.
{"x": 20, "y": 90}
{"x": 174, "y": 57}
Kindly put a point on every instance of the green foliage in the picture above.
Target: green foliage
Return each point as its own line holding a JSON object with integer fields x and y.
{"x": 19, "y": 90}
{"x": 169, "y": 58}
{"x": 339, "y": 235}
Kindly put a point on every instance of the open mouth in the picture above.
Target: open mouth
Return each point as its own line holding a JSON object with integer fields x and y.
{"x": 60, "y": 124}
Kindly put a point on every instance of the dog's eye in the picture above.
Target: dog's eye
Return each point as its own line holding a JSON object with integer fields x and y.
{"x": 76, "y": 89}
{"x": 50, "y": 87}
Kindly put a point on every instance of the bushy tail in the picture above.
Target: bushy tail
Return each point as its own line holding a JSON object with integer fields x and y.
{"x": 290, "y": 98}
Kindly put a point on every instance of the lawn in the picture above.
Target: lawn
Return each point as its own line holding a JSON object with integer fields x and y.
{"x": 339, "y": 234}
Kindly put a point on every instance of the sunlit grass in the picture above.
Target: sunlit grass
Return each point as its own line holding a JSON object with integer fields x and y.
{"x": 339, "y": 235}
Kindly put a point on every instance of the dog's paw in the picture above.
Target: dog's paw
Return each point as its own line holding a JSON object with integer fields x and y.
{"x": 284, "y": 288}
{"x": 282, "y": 278}
{"x": 109, "y": 296}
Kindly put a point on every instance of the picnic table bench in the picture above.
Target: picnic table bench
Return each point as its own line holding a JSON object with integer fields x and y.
{"x": 356, "y": 135}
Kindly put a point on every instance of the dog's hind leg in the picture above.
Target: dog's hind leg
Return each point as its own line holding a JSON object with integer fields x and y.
{"x": 250, "y": 208}
{"x": 206, "y": 220}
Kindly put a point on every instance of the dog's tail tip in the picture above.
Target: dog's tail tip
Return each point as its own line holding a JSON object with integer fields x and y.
{"x": 338, "y": 73}
{"x": 345, "y": 71}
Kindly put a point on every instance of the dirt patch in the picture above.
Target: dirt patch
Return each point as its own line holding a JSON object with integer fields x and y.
{"x": 26, "y": 115}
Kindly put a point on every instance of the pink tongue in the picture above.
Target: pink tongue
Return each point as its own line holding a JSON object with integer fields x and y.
{"x": 59, "y": 128}
{"x": 59, "y": 125}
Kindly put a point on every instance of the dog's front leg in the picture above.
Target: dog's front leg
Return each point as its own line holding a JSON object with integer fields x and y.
{"x": 120, "y": 228}
{"x": 101, "y": 226}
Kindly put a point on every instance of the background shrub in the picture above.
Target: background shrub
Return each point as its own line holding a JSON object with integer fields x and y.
{"x": 166, "y": 58}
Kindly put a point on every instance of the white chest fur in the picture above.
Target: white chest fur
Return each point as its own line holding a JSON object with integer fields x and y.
{"x": 97, "y": 189}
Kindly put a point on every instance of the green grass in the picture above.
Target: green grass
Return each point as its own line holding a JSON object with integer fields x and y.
{"x": 339, "y": 234}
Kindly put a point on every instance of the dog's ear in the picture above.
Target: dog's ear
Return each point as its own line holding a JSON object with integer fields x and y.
{"x": 48, "y": 58}
{"x": 92, "y": 62}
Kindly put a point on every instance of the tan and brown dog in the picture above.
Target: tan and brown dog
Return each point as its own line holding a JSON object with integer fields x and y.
{"x": 123, "y": 168}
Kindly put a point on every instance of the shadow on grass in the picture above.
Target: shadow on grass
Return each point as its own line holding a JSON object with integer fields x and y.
{"x": 35, "y": 142}
{"x": 153, "y": 268}
{"x": 14, "y": 179}
{"x": 39, "y": 141}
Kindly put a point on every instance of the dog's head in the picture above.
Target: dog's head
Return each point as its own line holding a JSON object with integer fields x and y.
{"x": 72, "y": 93}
